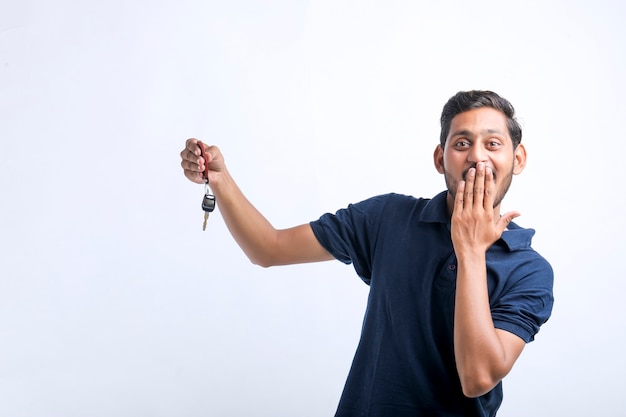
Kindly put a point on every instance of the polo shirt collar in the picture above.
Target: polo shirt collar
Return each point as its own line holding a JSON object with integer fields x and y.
{"x": 436, "y": 211}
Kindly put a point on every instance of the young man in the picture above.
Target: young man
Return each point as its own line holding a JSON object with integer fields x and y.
{"x": 456, "y": 291}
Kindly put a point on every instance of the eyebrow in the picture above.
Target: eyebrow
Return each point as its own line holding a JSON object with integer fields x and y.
{"x": 468, "y": 133}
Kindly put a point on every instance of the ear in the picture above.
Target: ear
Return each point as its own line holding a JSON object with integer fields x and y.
{"x": 438, "y": 159}
{"x": 520, "y": 159}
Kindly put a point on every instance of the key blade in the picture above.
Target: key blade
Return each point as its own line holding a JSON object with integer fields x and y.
{"x": 206, "y": 217}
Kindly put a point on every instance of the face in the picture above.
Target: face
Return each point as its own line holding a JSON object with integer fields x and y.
{"x": 479, "y": 135}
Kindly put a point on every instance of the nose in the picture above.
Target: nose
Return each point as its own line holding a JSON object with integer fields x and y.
{"x": 477, "y": 154}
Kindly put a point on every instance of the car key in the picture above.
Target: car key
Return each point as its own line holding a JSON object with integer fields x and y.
{"x": 208, "y": 201}
{"x": 208, "y": 205}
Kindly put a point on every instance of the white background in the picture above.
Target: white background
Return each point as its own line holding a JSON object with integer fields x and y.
{"x": 113, "y": 302}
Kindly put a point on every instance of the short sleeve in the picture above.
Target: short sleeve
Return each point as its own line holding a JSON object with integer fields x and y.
{"x": 528, "y": 303}
{"x": 350, "y": 234}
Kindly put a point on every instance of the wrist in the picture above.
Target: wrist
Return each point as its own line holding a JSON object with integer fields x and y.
{"x": 470, "y": 255}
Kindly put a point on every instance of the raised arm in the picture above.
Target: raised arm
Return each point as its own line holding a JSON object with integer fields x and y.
{"x": 261, "y": 242}
{"x": 484, "y": 355}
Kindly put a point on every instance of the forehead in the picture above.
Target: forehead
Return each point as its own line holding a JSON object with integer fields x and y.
{"x": 484, "y": 120}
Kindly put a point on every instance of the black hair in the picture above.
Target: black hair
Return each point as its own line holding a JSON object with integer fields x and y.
{"x": 475, "y": 99}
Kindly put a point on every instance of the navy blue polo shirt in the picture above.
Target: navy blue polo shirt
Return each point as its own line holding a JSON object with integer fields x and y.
{"x": 401, "y": 247}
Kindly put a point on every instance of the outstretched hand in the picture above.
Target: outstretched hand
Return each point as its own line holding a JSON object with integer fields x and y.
{"x": 474, "y": 227}
{"x": 194, "y": 164}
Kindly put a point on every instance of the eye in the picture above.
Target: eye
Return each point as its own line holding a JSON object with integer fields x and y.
{"x": 462, "y": 143}
{"x": 494, "y": 143}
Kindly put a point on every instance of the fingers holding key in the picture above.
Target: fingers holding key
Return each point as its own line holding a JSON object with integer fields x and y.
{"x": 191, "y": 151}
{"x": 192, "y": 162}
{"x": 195, "y": 162}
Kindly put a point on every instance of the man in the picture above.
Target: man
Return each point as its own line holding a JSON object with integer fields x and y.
{"x": 456, "y": 291}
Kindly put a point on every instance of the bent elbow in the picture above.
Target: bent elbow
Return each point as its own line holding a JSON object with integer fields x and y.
{"x": 262, "y": 265}
{"x": 475, "y": 390}
{"x": 263, "y": 262}
{"x": 476, "y": 385}
{"x": 264, "y": 259}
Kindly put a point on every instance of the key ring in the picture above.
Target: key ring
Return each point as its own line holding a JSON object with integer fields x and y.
{"x": 208, "y": 203}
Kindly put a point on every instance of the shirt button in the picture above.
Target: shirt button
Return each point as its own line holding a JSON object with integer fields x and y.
{"x": 452, "y": 267}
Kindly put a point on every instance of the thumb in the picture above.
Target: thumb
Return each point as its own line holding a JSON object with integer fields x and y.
{"x": 505, "y": 219}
